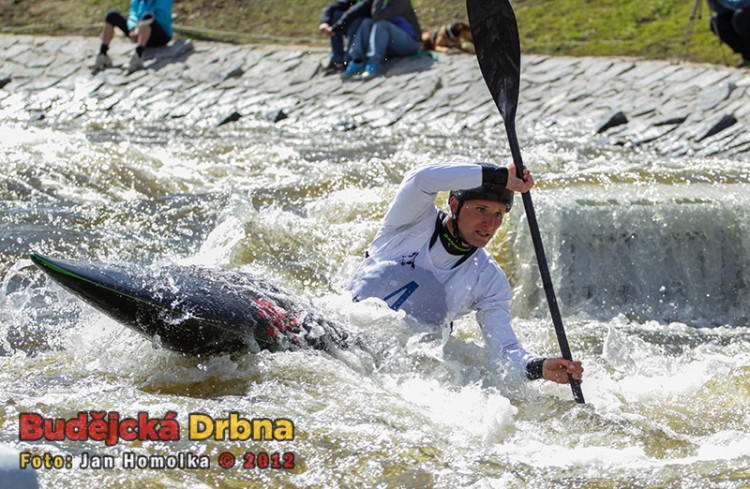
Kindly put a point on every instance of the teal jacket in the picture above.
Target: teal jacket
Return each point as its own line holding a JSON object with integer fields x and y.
{"x": 162, "y": 10}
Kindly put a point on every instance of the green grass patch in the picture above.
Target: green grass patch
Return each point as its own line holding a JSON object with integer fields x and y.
{"x": 650, "y": 29}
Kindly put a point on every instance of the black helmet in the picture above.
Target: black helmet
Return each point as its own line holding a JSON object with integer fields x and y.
{"x": 490, "y": 191}
{"x": 494, "y": 180}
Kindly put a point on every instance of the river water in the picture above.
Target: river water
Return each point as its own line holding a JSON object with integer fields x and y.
{"x": 650, "y": 258}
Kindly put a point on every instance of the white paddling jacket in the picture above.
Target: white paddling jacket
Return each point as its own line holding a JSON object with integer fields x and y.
{"x": 410, "y": 270}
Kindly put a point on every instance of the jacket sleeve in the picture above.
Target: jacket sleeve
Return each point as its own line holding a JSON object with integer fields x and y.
{"x": 493, "y": 313}
{"x": 136, "y": 9}
{"x": 385, "y": 9}
{"x": 357, "y": 10}
{"x": 341, "y": 5}
{"x": 415, "y": 198}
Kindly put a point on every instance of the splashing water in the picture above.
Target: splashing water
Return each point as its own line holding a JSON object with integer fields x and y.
{"x": 651, "y": 269}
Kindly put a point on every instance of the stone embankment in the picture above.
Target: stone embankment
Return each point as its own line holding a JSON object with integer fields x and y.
{"x": 667, "y": 107}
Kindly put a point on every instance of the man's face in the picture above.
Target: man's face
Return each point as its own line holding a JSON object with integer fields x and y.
{"x": 478, "y": 220}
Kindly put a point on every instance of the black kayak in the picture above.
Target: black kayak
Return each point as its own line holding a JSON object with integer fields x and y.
{"x": 196, "y": 310}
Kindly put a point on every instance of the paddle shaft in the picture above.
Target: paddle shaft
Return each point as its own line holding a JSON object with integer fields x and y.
{"x": 541, "y": 258}
{"x": 498, "y": 50}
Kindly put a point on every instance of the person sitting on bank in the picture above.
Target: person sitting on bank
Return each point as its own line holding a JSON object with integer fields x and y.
{"x": 433, "y": 265}
{"x": 390, "y": 29}
{"x": 341, "y": 40}
{"x": 731, "y": 24}
{"x": 149, "y": 24}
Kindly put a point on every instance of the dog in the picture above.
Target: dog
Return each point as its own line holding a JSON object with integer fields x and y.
{"x": 455, "y": 36}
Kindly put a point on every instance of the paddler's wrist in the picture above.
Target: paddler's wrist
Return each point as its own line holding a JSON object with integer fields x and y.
{"x": 494, "y": 176}
{"x": 535, "y": 369}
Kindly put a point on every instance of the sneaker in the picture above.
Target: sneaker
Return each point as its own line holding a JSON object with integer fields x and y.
{"x": 334, "y": 67}
{"x": 136, "y": 63}
{"x": 352, "y": 69}
{"x": 102, "y": 62}
{"x": 371, "y": 70}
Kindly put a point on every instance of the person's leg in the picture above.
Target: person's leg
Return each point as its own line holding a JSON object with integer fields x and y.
{"x": 338, "y": 55}
{"x": 144, "y": 36}
{"x": 358, "y": 48}
{"x": 351, "y": 35}
{"x": 150, "y": 34}
{"x": 108, "y": 33}
{"x": 118, "y": 20}
{"x": 111, "y": 20}
{"x": 402, "y": 44}
{"x": 379, "y": 39}
{"x": 157, "y": 36}
{"x": 387, "y": 40}
{"x": 721, "y": 25}
{"x": 741, "y": 25}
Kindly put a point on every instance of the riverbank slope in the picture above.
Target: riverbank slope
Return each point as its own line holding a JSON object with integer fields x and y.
{"x": 669, "y": 108}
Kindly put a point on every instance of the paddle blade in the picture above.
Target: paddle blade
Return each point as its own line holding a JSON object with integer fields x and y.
{"x": 498, "y": 50}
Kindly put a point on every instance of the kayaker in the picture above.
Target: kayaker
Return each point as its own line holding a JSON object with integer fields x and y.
{"x": 433, "y": 265}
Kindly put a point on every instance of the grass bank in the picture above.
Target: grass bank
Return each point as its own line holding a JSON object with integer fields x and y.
{"x": 654, "y": 29}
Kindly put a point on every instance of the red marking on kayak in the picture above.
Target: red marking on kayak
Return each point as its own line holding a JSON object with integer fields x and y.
{"x": 277, "y": 316}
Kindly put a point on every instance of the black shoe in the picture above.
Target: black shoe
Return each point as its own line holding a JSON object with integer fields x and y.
{"x": 334, "y": 67}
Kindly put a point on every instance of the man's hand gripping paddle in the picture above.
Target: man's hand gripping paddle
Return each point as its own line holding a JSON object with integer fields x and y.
{"x": 498, "y": 50}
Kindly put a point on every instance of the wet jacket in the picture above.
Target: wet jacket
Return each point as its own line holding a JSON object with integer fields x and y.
{"x": 162, "y": 10}
{"x": 410, "y": 271}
